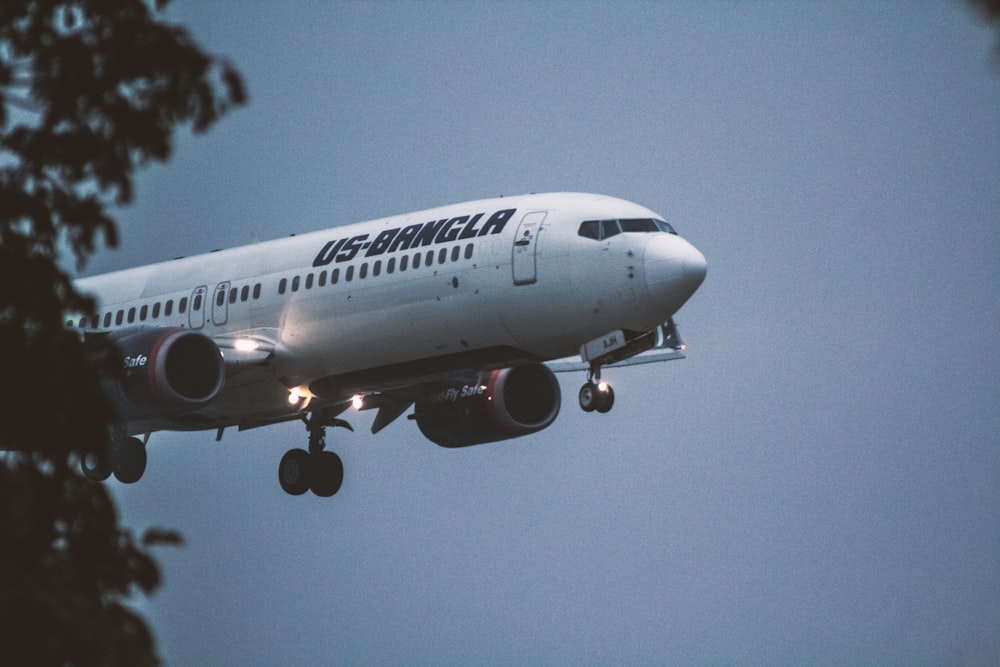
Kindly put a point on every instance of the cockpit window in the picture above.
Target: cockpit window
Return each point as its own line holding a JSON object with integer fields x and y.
{"x": 591, "y": 229}
{"x": 665, "y": 227}
{"x": 639, "y": 225}
{"x": 609, "y": 228}
{"x": 603, "y": 229}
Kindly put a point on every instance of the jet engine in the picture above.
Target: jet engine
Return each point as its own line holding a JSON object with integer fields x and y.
{"x": 501, "y": 405}
{"x": 164, "y": 372}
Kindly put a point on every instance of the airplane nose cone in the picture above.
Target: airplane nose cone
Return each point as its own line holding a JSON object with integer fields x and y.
{"x": 674, "y": 270}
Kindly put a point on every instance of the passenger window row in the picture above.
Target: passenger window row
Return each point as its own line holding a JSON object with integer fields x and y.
{"x": 154, "y": 311}
{"x": 248, "y": 292}
{"x": 377, "y": 268}
{"x": 237, "y": 293}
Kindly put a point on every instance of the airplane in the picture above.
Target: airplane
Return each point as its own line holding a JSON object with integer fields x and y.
{"x": 462, "y": 312}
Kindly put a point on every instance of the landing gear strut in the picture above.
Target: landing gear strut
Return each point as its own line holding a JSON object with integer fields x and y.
{"x": 317, "y": 470}
{"x": 594, "y": 394}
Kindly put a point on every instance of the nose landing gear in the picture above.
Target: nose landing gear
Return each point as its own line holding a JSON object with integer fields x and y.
{"x": 594, "y": 394}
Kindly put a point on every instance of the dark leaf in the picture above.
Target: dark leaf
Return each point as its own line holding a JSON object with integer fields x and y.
{"x": 106, "y": 85}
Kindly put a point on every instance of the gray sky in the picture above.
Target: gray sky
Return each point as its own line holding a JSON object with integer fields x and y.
{"x": 816, "y": 484}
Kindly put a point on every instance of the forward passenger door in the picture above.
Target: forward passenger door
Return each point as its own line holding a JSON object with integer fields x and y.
{"x": 524, "y": 247}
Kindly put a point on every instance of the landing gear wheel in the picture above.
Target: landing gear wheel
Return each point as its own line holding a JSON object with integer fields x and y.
{"x": 606, "y": 398}
{"x": 589, "y": 399}
{"x": 327, "y": 474}
{"x": 128, "y": 459}
{"x": 96, "y": 467}
{"x": 294, "y": 471}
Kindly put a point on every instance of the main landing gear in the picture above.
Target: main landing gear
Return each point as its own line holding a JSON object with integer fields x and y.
{"x": 594, "y": 394}
{"x": 317, "y": 470}
{"x": 125, "y": 458}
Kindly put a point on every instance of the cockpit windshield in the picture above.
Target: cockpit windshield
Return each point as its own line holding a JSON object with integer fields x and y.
{"x": 603, "y": 229}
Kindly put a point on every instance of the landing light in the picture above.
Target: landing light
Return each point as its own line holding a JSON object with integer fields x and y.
{"x": 245, "y": 344}
{"x": 298, "y": 395}
{"x": 602, "y": 387}
{"x": 357, "y": 401}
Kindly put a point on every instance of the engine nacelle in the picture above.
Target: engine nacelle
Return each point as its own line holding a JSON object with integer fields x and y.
{"x": 165, "y": 372}
{"x": 506, "y": 404}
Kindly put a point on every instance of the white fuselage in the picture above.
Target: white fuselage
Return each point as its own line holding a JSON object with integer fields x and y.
{"x": 387, "y": 303}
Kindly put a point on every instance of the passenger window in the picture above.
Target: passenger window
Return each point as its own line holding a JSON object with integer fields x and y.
{"x": 131, "y": 315}
{"x": 334, "y": 276}
{"x": 402, "y": 262}
{"x": 220, "y": 297}
{"x": 468, "y": 250}
{"x": 309, "y": 281}
{"x": 295, "y": 284}
{"x": 94, "y": 321}
{"x": 107, "y": 319}
{"x": 377, "y": 267}
{"x": 197, "y": 302}
{"x": 182, "y": 305}
{"x": 142, "y": 313}
{"x": 364, "y": 270}
{"x": 119, "y": 317}
{"x": 232, "y": 295}
{"x": 443, "y": 256}
{"x": 256, "y": 291}
{"x": 349, "y": 275}
{"x": 455, "y": 253}
{"x": 282, "y": 284}
{"x": 390, "y": 266}
{"x": 168, "y": 307}
{"x": 416, "y": 261}
{"x": 245, "y": 293}
{"x": 322, "y": 278}
{"x": 429, "y": 260}
{"x": 156, "y": 310}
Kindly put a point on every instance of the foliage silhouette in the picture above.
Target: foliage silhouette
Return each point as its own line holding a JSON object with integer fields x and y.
{"x": 989, "y": 10}
{"x": 89, "y": 92}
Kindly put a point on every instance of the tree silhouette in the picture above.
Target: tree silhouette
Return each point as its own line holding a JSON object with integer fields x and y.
{"x": 89, "y": 92}
{"x": 990, "y": 12}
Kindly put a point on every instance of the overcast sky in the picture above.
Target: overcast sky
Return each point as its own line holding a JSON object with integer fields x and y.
{"x": 816, "y": 484}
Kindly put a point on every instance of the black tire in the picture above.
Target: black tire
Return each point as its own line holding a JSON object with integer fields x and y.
{"x": 128, "y": 460}
{"x": 327, "y": 474}
{"x": 96, "y": 467}
{"x": 589, "y": 399}
{"x": 606, "y": 399}
{"x": 294, "y": 471}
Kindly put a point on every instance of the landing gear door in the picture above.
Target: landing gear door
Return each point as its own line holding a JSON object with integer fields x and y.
{"x": 524, "y": 247}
